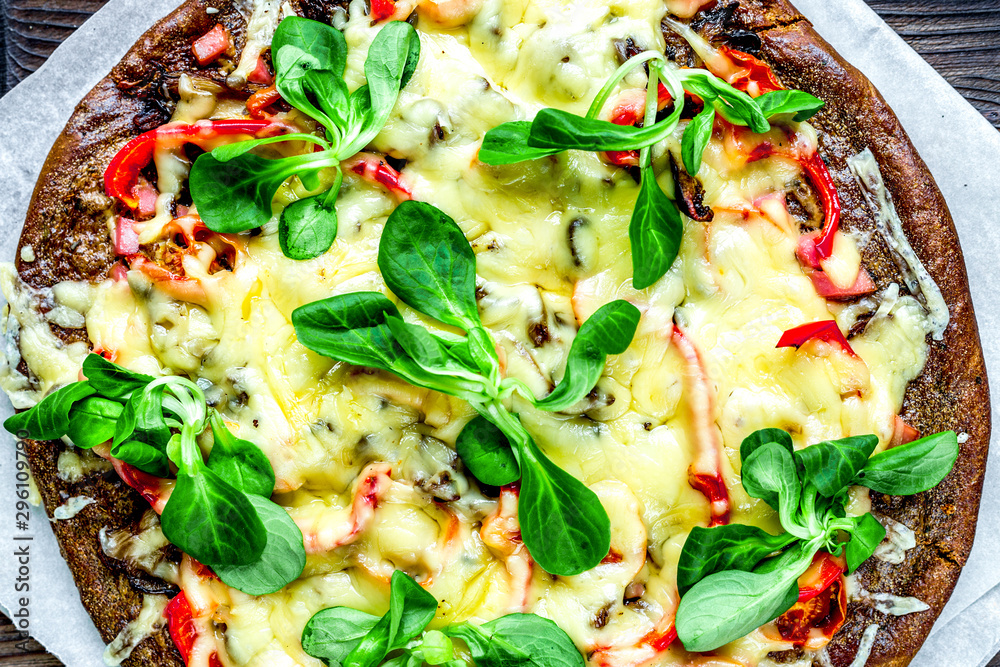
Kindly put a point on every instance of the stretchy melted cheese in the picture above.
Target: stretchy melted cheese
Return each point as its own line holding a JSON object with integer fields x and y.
{"x": 552, "y": 246}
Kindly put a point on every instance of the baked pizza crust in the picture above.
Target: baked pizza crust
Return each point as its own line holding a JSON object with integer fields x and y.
{"x": 66, "y": 228}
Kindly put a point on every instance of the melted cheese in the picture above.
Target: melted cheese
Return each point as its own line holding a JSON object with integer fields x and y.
{"x": 147, "y": 623}
{"x": 552, "y": 246}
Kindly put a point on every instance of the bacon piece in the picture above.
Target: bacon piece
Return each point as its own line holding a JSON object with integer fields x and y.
{"x": 126, "y": 238}
{"x": 211, "y": 45}
{"x": 375, "y": 169}
{"x": 502, "y": 533}
{"x": 705, "y": 473}
{"x": 330, "y": 530}
{"x": 146, "y": 194}
{"x": 826, "y": 288}
{"x": 179, "y": 287}
{"x": 261, "y": 73}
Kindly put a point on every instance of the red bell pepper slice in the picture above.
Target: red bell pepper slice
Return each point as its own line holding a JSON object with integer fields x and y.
{"x": 820, "y": 177}
{"x": 261, "y": 100}
{"x": 630, "y": 112}
{"x": 375, "y": 169}
{"x": 757, "y": 78}
{"x": 122, "y": 175}
{"x": 826, "y": 330}
{"x": 825, "y": 569}
{"x": 180, "y": 624}
{"x": 211, "y": 45}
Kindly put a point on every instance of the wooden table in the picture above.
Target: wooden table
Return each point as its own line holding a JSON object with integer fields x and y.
{"x": 960, "y": 38}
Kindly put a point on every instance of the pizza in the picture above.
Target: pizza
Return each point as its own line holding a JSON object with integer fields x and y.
{"x": 488, "y": 332}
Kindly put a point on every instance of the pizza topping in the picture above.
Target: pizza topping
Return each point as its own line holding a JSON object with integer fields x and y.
{"x": 705, "y": 473}
{"x": 655, "y": 231}
{"x": 918, "y": 281}
{"x": 122, "y": 178}
{"x": 217, "y": 511}
{"x": 211, "y": 45}
{"x": 342, "y": 635}
{"x": 827, "y": 331}
{"x": 261, "y": 100}
{"x": 146, "y": 624}
{"x": 308, "y": 226}
{"x": 756, "y": 77}
{"x": 184, "y": 630}
{"x": 733, "y": 582}
{"x": 367, "y": 329}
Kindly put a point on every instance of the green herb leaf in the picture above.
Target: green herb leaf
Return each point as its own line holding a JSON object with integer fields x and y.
{"x": 508, "y": 144}
{"x": 307, "y": 227}
{"x": 351, "y": 328}
{"x": 524, "y": 640}
{"x": 92, "y": 421}
{"x": 734, "y": 105}
{"x": 486, "y": 452}
{"x": 911, "y": 468}
{"x": 50, "y": 418}
{"x": 411, "y": 608}
{"x": 769, "y": 473}
{"x": 434, "y": 354}
{"x": 731, "y": 547}
{"x": 236, "y": 195}
{"x": 762, "y": 437}
{"x": 331, "y": 634}
{"x": 561, "y": 130}
{"x": 143, "y": 420}
{"x": 144, "y": 456}
{"x": 436, "y": 648}
{"x": 239, "y": 462}
{"x": 728, "y": 605}
{"x": 802, "y": 104}
{"x": 654, "y": 232}
{"x": 212, "y": 521}
{"x": 696, "y": 137}
{"x": 866, "y": 535}
{"x": 392, "y": 59}
{"x": 111, "y": 380}
{"x": 831, "y": 465}
{"x": 608, "y": 331}
{"x": 301, "y": 45}
{"x": 562, "y": 522}
{"x": 299, "y": 48}
{"x": 428, "y": 263}
{"x": 282, "y": 560}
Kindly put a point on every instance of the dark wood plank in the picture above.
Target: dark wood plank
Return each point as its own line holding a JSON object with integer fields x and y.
{"x": 17, "y": 652}
{"x": 959, "y": 38}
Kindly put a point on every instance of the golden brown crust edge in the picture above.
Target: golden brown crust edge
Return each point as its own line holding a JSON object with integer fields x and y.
{"x": 952, "y": 392}
{"x": 70, "y": 238}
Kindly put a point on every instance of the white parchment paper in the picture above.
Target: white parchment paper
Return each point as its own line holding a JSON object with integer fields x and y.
{"x": 960, "y": 147}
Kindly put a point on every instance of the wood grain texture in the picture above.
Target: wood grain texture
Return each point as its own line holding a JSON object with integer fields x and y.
{"x": 960, "y": 38}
